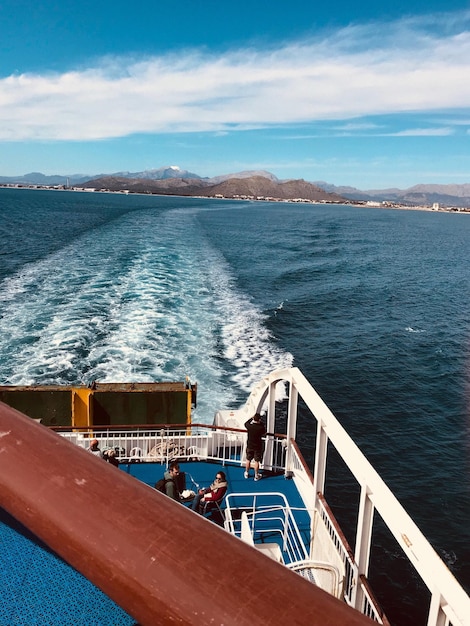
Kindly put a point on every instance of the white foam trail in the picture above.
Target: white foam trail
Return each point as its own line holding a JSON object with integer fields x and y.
{"x": 138, "y": 300}
{"x": 247, "y": 342}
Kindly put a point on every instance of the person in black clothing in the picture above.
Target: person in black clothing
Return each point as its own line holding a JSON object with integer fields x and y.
{"x": 255, "y": 444}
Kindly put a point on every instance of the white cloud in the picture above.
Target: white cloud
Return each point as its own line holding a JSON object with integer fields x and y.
{"x": 358, "y": 71}
{"x": 357, "y": 126}
{"x": 422, "y": 132}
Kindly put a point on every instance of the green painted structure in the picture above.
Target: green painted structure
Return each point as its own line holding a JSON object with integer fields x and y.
{"x": 103, "y": 404}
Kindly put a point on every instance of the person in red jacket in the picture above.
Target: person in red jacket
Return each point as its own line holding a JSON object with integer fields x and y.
{"x": 214, "y": 493}
{"x": 255, "y": 444}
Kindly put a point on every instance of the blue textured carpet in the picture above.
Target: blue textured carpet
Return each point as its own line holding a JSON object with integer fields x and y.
{"x": 37, "y": 588}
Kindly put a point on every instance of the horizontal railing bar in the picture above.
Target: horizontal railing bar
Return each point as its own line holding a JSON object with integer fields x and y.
{"x": 152, "y": 427}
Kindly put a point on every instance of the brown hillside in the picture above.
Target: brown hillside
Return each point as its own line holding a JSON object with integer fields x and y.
{"x": 254, "y": 186}
{"x": 259, "y": 186}
{"x": 168, "y": 186}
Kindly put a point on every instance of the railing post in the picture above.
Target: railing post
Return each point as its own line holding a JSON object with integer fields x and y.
{"x": 319, "y": 471}
{"x": 436, "y": 616}
{"x": 286, "y": 522}
{"x": 363, "y": 542}
{"x": 164, "y": 452}
{"x": 291, "y": 425}
{"x": 319, "y": 474}
{"x": 268, "y": 461}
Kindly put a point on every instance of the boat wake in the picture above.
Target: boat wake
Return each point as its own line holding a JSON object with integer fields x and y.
{"x": 136, "y": 300}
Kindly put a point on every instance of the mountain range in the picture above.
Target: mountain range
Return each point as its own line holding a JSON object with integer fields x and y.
{"x": 251, "y": 186}
{"x": 257, "y": 183}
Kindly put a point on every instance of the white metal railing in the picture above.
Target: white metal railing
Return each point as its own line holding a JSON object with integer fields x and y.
{"x": 140, "y": 445}
{"x": 321, "y": 573}
{"x": 267, "y": 519}
{"x": 303, "y": 482}
{"x": 302, "y": 476}
{"x": 275, "y": 455}
{"x": 164, "y": 444}
{"x": 348, "y": 562}
{"x": 449, "y": 602}
{"x": 370, "y": 607}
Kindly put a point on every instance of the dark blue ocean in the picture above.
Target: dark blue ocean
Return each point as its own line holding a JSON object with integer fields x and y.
{"x": 372, "y": 305}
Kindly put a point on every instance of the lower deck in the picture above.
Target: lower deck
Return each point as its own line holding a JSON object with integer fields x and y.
{"x": 273, "y": 504}
{"x": 202, "y": 473}
{"x": 38, "y": 588}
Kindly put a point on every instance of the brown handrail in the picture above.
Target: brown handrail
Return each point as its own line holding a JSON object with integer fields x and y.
{"x": 142, "y": 427}
{"x": 336, "y": 526}
{"x": 139, "y": 555}
{"x": 302, "y": 460}
{"x": 93, "y": 427}
{"x": 373, "y": 600}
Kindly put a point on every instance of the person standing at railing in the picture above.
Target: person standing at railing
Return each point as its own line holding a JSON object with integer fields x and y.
{"x": 255, "y": 444}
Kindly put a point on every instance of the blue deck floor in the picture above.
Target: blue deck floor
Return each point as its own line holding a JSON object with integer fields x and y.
{"x": 202, "y": 474}
{"x": 37, "y": 588}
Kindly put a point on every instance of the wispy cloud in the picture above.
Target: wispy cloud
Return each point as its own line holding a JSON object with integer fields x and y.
{"x": 358, "y": 71}
{"x": 422, "y": 132}
{"x": 357, "y": 126}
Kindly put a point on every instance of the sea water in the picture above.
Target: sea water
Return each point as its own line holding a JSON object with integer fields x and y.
{"x": 371, "y": 304}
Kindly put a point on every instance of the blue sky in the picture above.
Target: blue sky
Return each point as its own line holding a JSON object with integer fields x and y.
{"x": 366, "y": 94}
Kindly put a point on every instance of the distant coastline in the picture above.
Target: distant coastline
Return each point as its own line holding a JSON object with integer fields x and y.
{"x": 252, "y": 185}
{"x": 436, "y": 207}
{"x": 244, "y": 197}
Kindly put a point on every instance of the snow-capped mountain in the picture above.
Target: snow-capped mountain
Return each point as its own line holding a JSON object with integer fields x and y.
{"x": 169, "y": 171}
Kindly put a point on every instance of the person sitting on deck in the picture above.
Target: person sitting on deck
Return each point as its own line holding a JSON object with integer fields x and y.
{"x": 171, "y": 488}
{"x": 110, "y": 457}
{"x": 214, "y": 493}
{"x": 94, "y": 448}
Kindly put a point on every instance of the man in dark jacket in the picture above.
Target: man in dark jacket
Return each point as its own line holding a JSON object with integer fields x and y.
{"x": 255, "y": 444}
{"x": 170, "y": 476}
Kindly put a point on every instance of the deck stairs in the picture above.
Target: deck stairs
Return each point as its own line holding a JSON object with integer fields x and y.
{"x": 267, "y": 522}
